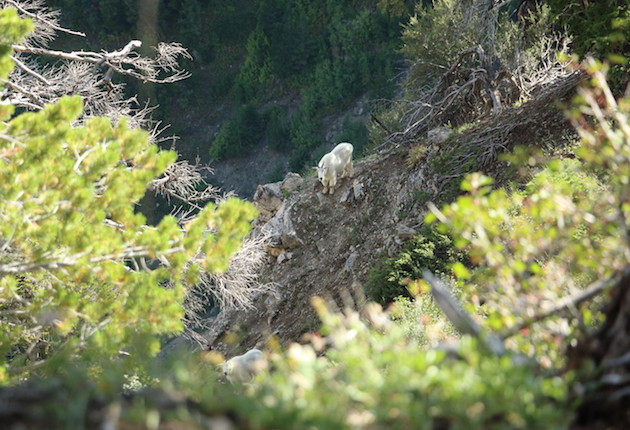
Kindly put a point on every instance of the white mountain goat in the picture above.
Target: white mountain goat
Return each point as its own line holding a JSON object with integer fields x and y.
{"x": 338, "y": 161}
{"x": 242, "y": 368}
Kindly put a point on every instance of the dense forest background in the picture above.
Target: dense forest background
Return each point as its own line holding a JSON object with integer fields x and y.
{"x": 263, "y": 72}
{"x": 274, "y": 72}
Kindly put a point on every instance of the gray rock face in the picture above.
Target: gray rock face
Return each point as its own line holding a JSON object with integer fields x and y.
{"x": 439, "y": 134}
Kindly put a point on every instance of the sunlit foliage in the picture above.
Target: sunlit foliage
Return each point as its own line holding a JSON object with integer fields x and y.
{"x": 83, "y": 279}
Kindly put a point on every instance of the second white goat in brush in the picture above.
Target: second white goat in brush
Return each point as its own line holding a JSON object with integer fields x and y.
{"x": 336, "y": 162}
{"x": 242, "y": 368}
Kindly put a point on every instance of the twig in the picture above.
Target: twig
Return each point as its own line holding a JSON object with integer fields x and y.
{"x": 18, "y": 267}
{"x": 34, "y": 100}
{"x": 378, "y": 121}
{"x": 30, "y": 71}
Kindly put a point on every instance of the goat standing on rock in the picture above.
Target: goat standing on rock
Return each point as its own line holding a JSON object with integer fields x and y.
{"x": 338, "y": 161}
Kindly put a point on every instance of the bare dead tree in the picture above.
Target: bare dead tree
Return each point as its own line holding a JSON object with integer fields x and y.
{"x": 236, "y": 288}
{"x": 85, "y": 73}
{"x": 186, "y": 183}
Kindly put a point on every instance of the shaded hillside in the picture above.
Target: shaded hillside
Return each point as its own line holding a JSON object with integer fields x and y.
{"x": 291, "y": 62}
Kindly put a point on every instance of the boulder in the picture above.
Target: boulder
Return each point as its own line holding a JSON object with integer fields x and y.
{"x": 291, "y": 182}
{"x": 268, "y": 199}
{"x": 439, "y": 135}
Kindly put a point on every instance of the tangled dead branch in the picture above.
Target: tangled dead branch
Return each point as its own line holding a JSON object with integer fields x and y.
{"x": 185, "y": 182}
{"x": 465, "y": 93}
{"x": 85, "y": 73}
{"x": 236, "y": 288}
{"x": 500, "y": 64}
{"x": 534, "y": 123}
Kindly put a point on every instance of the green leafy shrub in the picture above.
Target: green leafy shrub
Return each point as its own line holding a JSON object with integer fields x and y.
{"x": 421, "y": 319}
{"x": 373, "y": 376}
{"x": 429, "y": 250}
{"x": 545, "y": 242}
{"x": 365, "y": 373}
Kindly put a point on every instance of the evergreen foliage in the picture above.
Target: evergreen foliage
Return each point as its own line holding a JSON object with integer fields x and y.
{"x": 70, "y": 288}
{"x": 601, "y": 29}
{"x": 357, "y": 133}
{"x": 277, "y": 128}
{"x": 328, "y": 52}
{"x": 598, "y": 28}
{"x": 429, "y": 250}
{"x": 238, "y": 135}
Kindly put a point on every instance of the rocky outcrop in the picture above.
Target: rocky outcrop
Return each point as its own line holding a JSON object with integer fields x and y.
{"x": 323, "y": 245}
{"x": 275, "y": 214}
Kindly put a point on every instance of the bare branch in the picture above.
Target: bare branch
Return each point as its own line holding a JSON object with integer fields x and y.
{"x": 88, "y": 57}
{"x": 236, "y": 288}
{"x": 58, "y": 260}
{"x": 40, "y": 14}
{"x": 458, "y": 317}
{"x": 31, "y": 100}
{"x": 185, "y": 182}
{"x": 30, "y": 71}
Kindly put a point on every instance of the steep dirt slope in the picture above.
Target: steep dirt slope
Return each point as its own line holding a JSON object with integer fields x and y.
{"x": 323, "y": 245}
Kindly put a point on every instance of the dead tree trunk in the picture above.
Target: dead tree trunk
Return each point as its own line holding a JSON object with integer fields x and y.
{"x": 604, "y": 392}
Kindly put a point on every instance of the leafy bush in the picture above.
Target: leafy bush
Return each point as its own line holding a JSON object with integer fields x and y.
{"x": 365, "y": 373}
{"x": 436, "y": 35}
{"x": 429, "y": 250}
{"x": 421, "y": 318}
{"x": 373, "y": 376}
{"x": 550, "y": 240}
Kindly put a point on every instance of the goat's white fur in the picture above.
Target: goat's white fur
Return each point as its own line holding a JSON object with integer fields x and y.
{"x": 242, "y": 368}
{"x": 338, "y": 161}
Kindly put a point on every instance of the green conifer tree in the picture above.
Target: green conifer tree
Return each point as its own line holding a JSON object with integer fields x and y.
{"x": 72, "y": 288}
